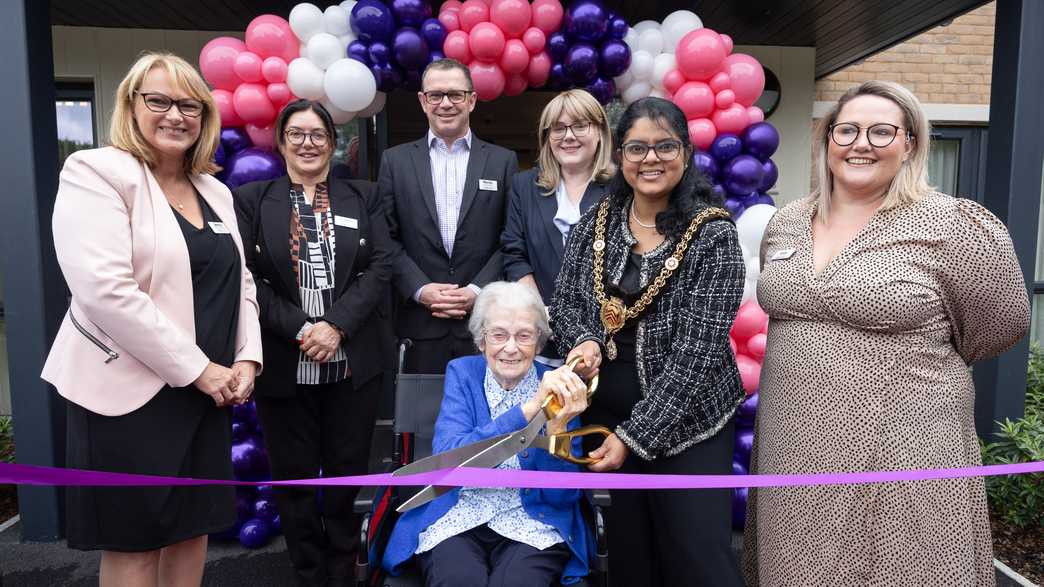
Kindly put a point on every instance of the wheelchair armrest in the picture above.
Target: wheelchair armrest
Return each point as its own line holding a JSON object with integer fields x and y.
{"x": 362, "y": 556}
{"x": 598, "y": 497}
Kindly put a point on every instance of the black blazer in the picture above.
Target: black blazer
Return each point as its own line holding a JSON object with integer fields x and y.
{"x": 362, "y": 265}
{"x": 531, "y": 243}
{"x": 406, "y": 188}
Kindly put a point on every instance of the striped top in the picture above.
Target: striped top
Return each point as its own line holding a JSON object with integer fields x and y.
{"x": 449, "y": 170}
{"x": 312, "y": 244}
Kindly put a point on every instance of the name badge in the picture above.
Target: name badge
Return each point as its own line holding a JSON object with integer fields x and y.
{"x": 782, "y": 254}
{"x": 488, "y": 184}
{"x": 219, "y": 228}
{"x": 346, "y": 222}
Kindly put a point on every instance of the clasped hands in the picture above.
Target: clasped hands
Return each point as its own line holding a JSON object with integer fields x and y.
{"x": 228, "y": 386}
{"x": 446, "y": 300}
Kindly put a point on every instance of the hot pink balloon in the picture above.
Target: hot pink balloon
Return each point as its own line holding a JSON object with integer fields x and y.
{"x": 263, "y": 137}
{"x": 724, "y": 99}
{"x": 217, "y": 62}
{"x": 248, "y": 67}
{"x": 450, "y": 19}
{"x": 450, "y": 6}
{"x": 700, "y": 53}
{"x": 226, "y": 111}
{"x": 539, "y": 69}
{"x": 534, "y": 39}
{"x": 512, "y": 16}
{"x": 755, "y": 114}
{"x": 252, "y": 104}
{"x": 486, "y": 41}
{"x": 278, "y": 93}
{"x": 727, "y": 41}
{"x": 720, "y": 81}
{"x": 515, "y": 58}
{"x": 673, "y": 81}
{"x": 270, "y": 36}
{"x": 732, "y": 345}
{"x": 695, "y": 99}
{"x": 749, "y": 372}
{"x": 516, "y": 84}
{"x": 274, "y": 70}
{"x": 456, "y": 46}
{"x": 547, "y": 15}
{"x": 702, "y": 133}
{"x": 748, "y": 77}
{"x": 472, "y": 13}
{"x": 732, "y": 119}
{"x": 756, "y": 346}
{"x": 488, "y": 78}
{"x": 750, "y": 320}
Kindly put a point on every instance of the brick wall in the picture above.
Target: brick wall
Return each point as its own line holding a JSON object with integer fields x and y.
{"x": 946, "y": 65}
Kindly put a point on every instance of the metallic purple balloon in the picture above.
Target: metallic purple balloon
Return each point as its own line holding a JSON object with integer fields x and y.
{"x": 434, "y": 33}
{"x": 558, "y": 46}
{"x": 410, "y": 49}
{"x": 739, "y": 508}
{"x": 558, "y": 80}
{"x": 277, "y": 524}
{"x": 764, "y": 198}
{"x": 247, "y": 459}
{"x": 771, "y": 174}
{"x": 744, "y": 444}
{"x": 380, "y": 53}
{"x": 742, "y": 174}
{"x": 586, "y": 20}
{"x": 602, "y": 89}
{"x": 360, "y": 52}
{"x": 618, "y": 28}
{"x": 244, "y": 508}
{"x": 581, "y": 63}
{"x": 246, "y": 413}
{"x": 252, "y": 165}
{"x": 761, "y": 140}
{"x": 435, "y": 56}
{"x": 410, "y": 12}
{"x": 707, "y": 165}
{"x": 752, "y": 199}
{"x": 265, "y": 509}
{"x": 254, "y": 533}
{"x": 726, "y": 146}
{"x": 732, "y": 204}
{"x": 372, "y": 21}
{"x": 234, "y": 139}
{"x": 738, "y": 468}
{"x": 219, "y": 155}
{"x": 387, "y": 76}
{"x": 746, "y": 411}
{"x": 614, "y": 58}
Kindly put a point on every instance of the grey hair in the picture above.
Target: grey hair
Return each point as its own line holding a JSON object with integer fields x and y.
{"x": 513, "y": 295}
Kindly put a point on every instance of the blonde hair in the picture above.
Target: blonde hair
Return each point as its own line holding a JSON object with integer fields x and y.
{"x": 911, "y": 182}
{"x": 579, "y": 105}
{"x": 124, "y": 133}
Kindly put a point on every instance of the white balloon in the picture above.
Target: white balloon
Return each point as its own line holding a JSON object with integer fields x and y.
{"x": 678, "y": 24}
{"x": 324, "y": 49}
{"x": 624, "y": 80}
{"x": 753, "y": 268}
{"x": 306, "y": 20}
{"x": 750, "y": 290}
{"x": 339, "y": 116}
{"x": 659, "y": 93}
{"x": 637, "y": 91}
{"x": 745, "y": 252}
{"x": 651, "y": 41}
{"x": 375, "y": 106}
{"x": 305, "y": 79}
{"x": 349, "y": 85}
{"x": 751, "y": 225}
{"x": 347, "y": 39}
{"x": 662, "y": 65}
{"x": 335, "y": 21}
{"x": 641, "y": 65}
{"x": 631, "y": 38}
{"x": 348, "y": 5}
{"x": 645, "y": 24}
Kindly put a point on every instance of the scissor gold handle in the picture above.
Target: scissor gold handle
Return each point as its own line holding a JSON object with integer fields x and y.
{"x": 552, "y": 407}
{"x": 560, "y": 444}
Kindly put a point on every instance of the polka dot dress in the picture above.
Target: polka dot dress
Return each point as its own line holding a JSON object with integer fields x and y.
{"x": 867, "y": 369}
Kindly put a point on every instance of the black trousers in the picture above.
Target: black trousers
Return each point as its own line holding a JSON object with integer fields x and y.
{"x": 482, "y": 558}
{"x": 329, "y": 428}
{"x": 431, "y": 356}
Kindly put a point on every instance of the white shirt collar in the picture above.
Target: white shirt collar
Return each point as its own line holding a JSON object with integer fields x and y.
{"x": 432, "y": 138}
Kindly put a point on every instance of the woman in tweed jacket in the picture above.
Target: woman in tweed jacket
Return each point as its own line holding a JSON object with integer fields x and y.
{"x": 672, "y": 388}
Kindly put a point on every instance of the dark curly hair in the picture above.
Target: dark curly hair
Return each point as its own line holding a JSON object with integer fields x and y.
{"x": 692, "y": 194}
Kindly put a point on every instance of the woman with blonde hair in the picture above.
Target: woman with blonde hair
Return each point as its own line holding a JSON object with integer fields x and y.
{"x": 162, "y": 334}
{"x": 881, "y": 293}
{"x": 573, "y": 170}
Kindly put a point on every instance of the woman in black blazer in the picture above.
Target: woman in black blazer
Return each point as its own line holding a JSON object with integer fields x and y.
{"x": 320, "y": 253}
{"x": 574, "y": 166}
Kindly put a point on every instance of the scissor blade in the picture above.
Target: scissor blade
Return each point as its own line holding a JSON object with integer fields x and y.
{"x": 422, "y": 497}
{"x": 448, "y": 459}
{"x": 511, "y": 445}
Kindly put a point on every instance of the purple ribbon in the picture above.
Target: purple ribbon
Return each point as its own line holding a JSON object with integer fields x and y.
{"x": 471, "y": 477}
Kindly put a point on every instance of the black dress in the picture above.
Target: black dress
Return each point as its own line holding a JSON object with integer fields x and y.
{"x": 179, "y": 432}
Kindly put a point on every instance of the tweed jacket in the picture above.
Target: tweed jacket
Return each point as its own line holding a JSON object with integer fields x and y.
{"x": 689, "y": 382}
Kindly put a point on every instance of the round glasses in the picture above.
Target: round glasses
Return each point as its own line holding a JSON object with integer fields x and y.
{"x": 665, "y": 151}
{"x": 879, "y": 135}
{"x": 455, "y": 96}
{"x": 296, "y": 136}
{"x": 158, "y": 102}
{"x": 580, "y": 129}
{"x": 499, "y": 337}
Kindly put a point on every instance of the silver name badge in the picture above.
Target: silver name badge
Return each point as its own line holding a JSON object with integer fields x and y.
{"x": 782, "y": 254}
{"x": 488, "y": 184}
{"x": 219, "y": 228}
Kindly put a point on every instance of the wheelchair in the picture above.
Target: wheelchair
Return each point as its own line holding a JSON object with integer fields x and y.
{"x": 417, "y": 402}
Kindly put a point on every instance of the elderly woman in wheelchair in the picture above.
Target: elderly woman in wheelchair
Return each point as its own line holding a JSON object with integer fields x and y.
{"x": 500, "y": 537}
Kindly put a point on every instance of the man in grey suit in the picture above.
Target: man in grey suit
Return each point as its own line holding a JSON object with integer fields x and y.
{"x": 446, "y": 198}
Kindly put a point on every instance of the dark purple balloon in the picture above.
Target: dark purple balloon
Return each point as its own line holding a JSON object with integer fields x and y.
{"x": 761, "y": 139}
{"x": 219, "y": 155}
{"x": 276, "y": 525}
{"x": 387, "y": 76}
{"x": 581, "y": 63}
{"x": 410, "y": 49}
{"x": 614, "y": 58}
{"x": 618, "y": 28}
{"x": 734, "y": 205}
{"x": 586, "y": 20}
{"x": 265, "y": 509}
{"x": 433, "y": 31}
{"x": 244, "y": 508}
{"x": 410, "y": 12}
{"x": 558, "y": 80}
{"x": 738, "y": 468}
{"x": 372, "y": 21}
{"x": 247, "y": 459}
{"x": 744, "y": 444}
{"x": 746, "y": 411}
{"x": 719, "y": 193}
{"x": 602, "y": 89}
{"x": 435, "y": 56}
{"x": 265, "y": 490}
{"x": 771, "y": 174}
{"x": 742, "y": 174}
{"x": 726, "y": 146}
{"x": 379, "y": 53}
{"x": 254, "y": 533}
{"x": 252, "y": 165}
{"x": 359, "y": 51}
{"x": 240, "y": 431}
{"x": 751, "y": 199}
{"x": 558, "y": 46}
{"x": 246, "y": 413}
{"x": 234, "y": 140}
{"x": 764, "y": 198}
{"x": 707, "y": 165}
{"x": 739, "y": 508}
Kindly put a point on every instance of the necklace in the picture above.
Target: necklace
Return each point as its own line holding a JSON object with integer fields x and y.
{"x": 639, "y": 220}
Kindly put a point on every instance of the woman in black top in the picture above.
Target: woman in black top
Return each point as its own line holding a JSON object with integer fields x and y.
{"x": 650, "y": 283}
{"x": 319, "y": 250}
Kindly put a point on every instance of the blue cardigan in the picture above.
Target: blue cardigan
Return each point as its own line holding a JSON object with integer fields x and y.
{"x": 463, "y": 419}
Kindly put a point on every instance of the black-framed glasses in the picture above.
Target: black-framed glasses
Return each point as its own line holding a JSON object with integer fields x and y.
{"x": 558, "y": 131}
{"x": 879, "y": 135}
{"x": 435, "y": 97}
{"x": 158, "y": 102}
{"x": 296, "y": 136}
{"x": 499, "y": 336}
{"x": 665, "y": 150}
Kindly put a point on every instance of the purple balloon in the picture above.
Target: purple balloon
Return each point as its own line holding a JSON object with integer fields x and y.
{"x": 733, "y": 205}
{"x": 372, "y": 21}
{"x": 558, "y": 80}
{"x": 707, "y": 165}
{"x": 265, "y": 509}
{"x": 602, "y": 89}
{"x": 387, "y": 76}
{"x": 379, "y": 53}
{"x": 614, "y": 58}
{"x": 246, "y": 413}
{"x": 771, "y": 174}
{"x": 764, "y": 198}
{"x": 738, "y": 468}
{"x": 247, "y": 459}
{"x": 558, "y": 46}
{"x": 359, "y": 51}
{"x": 219, "y": 155}
{"x": 410, "y": 49}
{"x": 411, "y": 12}
{"x": 433, "y": 31}
{"x": 761, "y": 140}
{"x": 586, "y": 20}
{"x": 746, "y": 411}
{"x": 240, "y": 431}
{"x": 254, "y": 533}
{"x": 744, "y": 444}
{"x": 265, "y": 491}
{"x": 234, "y": 140}
{"x": 739, "y": 508}
{"x": 252, "y": 165}
{"x": 276, "y": 525}
{"x": 435, "y": 56}
{"x": 581, "y": 64}
{"x": 244, "y": 508}
{"x": 742, "y": 175}
{"x": 752, "y": 199}
{"x": 726, "y": 146}
{"x": 618, "y": 28}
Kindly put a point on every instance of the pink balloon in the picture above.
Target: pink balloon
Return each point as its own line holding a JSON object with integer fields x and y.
{"x": 471, "y": 13}
{"x": 274, "y": 70}
{"x": 749, "y": 372}
{"x": 487, "y": 41}
{"x": 547, "y": 15}
{"x": 750, "y": 320}
{"x": 748, "y": 77}
{"x": 732, "y": 345}
{"x": 248, "y": 67}
{"x": 450, "y": 20}
{"x": 270, "y": 36}
{"x": 515, "y": 58}
{"x": 702, "y": 133}
{"x": 720, "y": 81}
{"x": 755, "y": 114}
{"x": 262, "y": 136}
{"x": 727, "y": 41}
{"x": 695, "y": 99}
{"x": 226, "y": 111}
{"x": 732, "y": 119}
{"x": 700, "y": 53}
{"x": 488, "y": 78}
{"x": 539, "y": 69}
{"x": 456, "y": 46}
{"x": 512, "y": 16}
{"x": 278, "y": 93}
{"x": 450, "y": 6}
{"x": 534, "y": 39}
{"x": 252, "y": 104}
{"x": 217, "y": 62}
{"x": 673, "y": 81}
{"x": 516, "y": 84}
{"x": 756, "y": 346}
{"x": 724, "y": 99}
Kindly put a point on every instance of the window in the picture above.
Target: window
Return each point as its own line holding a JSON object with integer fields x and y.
{"x": 74, "y": 107}
{"x": 957, "y": 161}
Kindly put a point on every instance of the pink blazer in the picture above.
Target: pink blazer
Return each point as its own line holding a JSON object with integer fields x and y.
{"x": 130, "y": 327}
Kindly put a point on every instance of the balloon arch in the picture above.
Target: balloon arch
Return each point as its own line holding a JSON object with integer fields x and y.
{"x": 350, "y": 55}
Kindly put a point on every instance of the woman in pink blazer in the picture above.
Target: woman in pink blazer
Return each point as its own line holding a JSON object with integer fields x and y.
{"x": 162, "y": 332}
